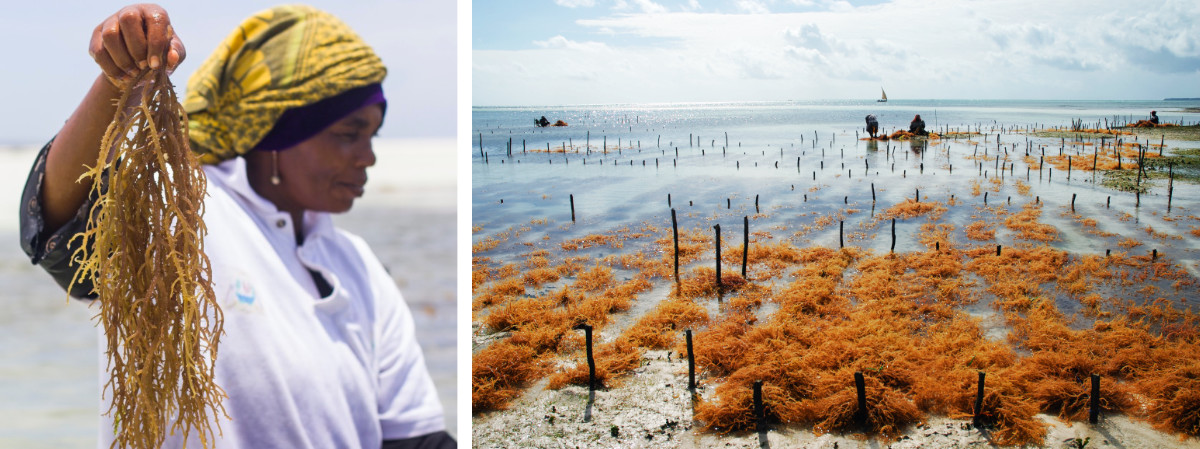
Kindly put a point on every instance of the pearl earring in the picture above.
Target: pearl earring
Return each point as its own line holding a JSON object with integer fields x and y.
{"x": 275, "y": 168}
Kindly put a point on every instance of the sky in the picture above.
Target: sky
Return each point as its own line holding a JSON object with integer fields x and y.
{"x": 562, "y": 52}
{"x": 47, "y": 68}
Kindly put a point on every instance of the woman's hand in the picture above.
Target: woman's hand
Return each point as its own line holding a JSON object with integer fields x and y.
{"x": 135, "y": 38}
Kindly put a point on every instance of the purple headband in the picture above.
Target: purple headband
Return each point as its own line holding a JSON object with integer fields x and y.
{"x": 299, "y": 124}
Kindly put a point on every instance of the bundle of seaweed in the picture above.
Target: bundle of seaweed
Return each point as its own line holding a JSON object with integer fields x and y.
{"x": 1150, "y": 124}
{"x": 1005, "y": 410}
{"x": 763, "y": 260}
{"x": 911, "y": 209}
{"x": 612, "y": 360}
{"x": 1026, "y": 224}
{"x": 1173, "y": 397}
{"x": 499, "y": 292}
{"x": 498, "y": 374}
{"x": 888, "y": 411}
{"x": 143, "y": 251}
{"x": 702, "y": 282}
{"x": 659, "y": 328}
{"x": 981, "y": 231}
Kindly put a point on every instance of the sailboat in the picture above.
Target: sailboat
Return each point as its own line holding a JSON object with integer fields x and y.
{"x": 884, "y": 99}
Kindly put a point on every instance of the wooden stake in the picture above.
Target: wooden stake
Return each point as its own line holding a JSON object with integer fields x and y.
{"x": 572, "y": 207}
{"x": 978, "y": 401}
{"x": 760, "y": 418}
{"x": 893, "y": 235}
{"x": 1094, "y": 407}
{"x": 675, "y": 233}
{"x": 745, "y": 243}
{"x": 717, "y": 228}
{"x": 587, "y": 336}
{"x": 691, "y": 361}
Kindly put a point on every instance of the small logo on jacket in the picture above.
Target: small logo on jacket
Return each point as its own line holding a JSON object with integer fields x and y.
{"x": 241, "y": 295}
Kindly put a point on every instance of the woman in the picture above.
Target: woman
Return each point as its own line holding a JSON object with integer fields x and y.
{"x": 319, "y": 349}
{"x": 917, "y": 126}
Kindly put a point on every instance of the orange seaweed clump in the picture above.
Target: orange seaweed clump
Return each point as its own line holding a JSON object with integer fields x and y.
{"x": 981, "y": 231}
{"x": 595, "y": 279}
{"x": 763, "y": 260}
{"x": 1129, "y": 243}
{"x": 905, "y": 135}
{"x": 592, "y": 240}
{"x": 1057, "y": 375}
{"x": 888, "y": 412}
{"x": 490, "y": 242}
{"x": 659, "y": 328}
{"x": 515, "y": 314}
{"x": 1027, "y": 227}
{"x": 1150, "y": 124}
{"x": 1174, "y": 399}
{"x": 498, "y": 373}
{"x": 499, "y": 292}
{"x": 1007, "y": 411}
{"x": 702, "y": 281}
{"x": 1022, "y": 187}
{"x": 481, "y": 271}
{"x": 612, "y": 360}
{"x": 912, "y": 209}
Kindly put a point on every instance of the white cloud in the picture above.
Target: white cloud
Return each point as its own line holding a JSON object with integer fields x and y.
{"x": 575, "y": 3}
{"x": 752, "y": 7}
{"x": 985, "y": 49}
{"x": 560, "y": 42}
{"x": 643, "y": 6}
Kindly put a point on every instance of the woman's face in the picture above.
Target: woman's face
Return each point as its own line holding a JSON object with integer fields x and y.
{"x": 325, "y": 173}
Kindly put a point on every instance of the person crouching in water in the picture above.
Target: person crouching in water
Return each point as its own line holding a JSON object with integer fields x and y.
{"x": 872, "y": 125}
{"x": 917, "y": 126}
{"x": 1154, "y": 117}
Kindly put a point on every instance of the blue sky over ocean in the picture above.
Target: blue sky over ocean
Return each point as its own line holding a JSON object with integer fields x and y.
{"x": 639, "y": 51}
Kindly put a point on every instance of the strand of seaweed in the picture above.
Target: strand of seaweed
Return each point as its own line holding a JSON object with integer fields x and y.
{"x": 143, "y": 251}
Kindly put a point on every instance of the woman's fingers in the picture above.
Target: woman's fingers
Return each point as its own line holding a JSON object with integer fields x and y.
{"x": 135, "y": 38}
{"x": 134, "y": 34}
{"x": 114, "y": 46}
{"x": 100, "y": 55}
{"x": 159, "y": 35}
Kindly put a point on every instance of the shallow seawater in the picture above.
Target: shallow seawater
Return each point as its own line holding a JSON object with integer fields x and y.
{"x": 625, "y": 165}
{"x": 794, "y": 170}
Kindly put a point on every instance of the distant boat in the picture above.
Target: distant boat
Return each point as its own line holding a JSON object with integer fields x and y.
{"x": 884, "y": 99}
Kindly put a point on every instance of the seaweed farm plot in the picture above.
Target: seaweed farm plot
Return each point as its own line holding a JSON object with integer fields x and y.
{"x": 682, "y": 285}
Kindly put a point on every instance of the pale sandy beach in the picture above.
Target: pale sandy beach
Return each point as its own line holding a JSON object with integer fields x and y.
{"x": 48, "y": 360}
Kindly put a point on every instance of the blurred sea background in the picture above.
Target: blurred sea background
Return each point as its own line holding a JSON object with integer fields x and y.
{"x": 49, "y": 387}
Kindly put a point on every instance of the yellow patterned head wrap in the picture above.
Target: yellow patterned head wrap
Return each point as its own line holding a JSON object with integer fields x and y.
{"x": 281, "y": 58}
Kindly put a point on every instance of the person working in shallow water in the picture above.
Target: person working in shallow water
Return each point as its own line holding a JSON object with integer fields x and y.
{"x": 872, "y": 125}
{"x": 917, "y": 126}
{"x": 319, "y": 348}
{"x": 1154, "y": 117}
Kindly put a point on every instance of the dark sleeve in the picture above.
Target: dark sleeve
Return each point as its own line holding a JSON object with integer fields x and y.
{"x": 436, "y": 440}
{"x": 52, "y": 248}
